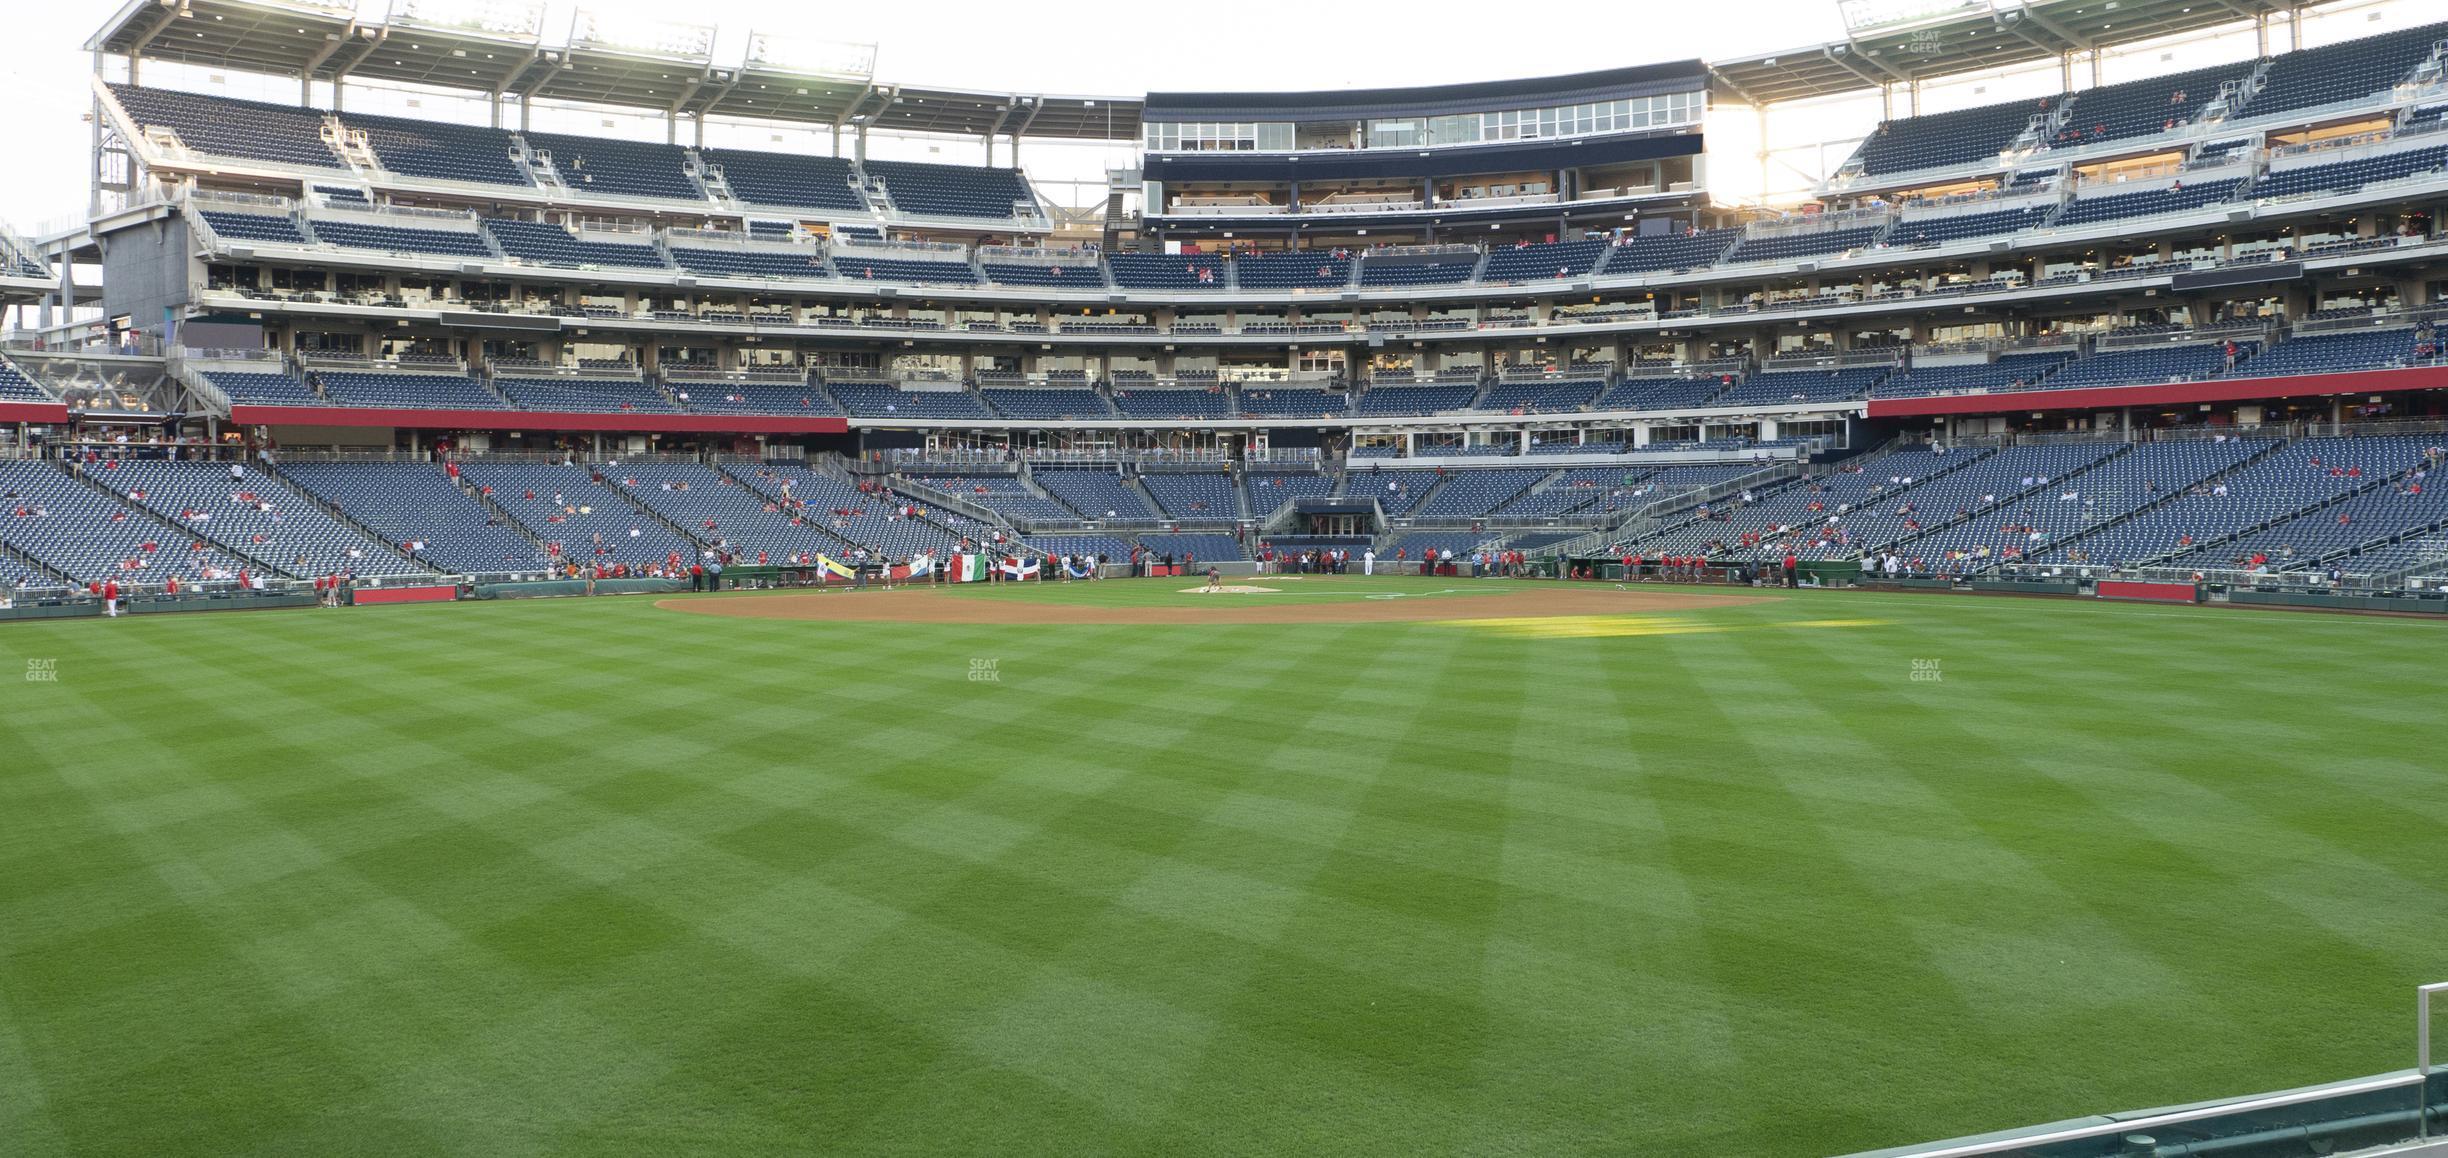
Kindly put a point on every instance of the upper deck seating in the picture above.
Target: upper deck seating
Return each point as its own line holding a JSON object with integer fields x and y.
{"x": 413, "y": 148}
{"x": 1660, "y": 393}
{"x": 2142, "y": 108}
{"x": 1172, "y": 402}
{"x": 753, "y": 398}
{"x": 1079, "y": 277}
{"x": 951, "y": 190}
{"x": 1095, "y": 494}
{"x": 2353, "y": 70}
{"x": 2009, "y": 372}
{"x": 603, "y": 165}
{"x": 225, "y": 127}
{"x": 2337, "y": 353}
{"x": 2149, "y": 365}
{"x": 1804, "y": 386}
{"x": 789, "y": 179}
{"x": 1293, "y": 402}
{"x": 1052, "y": 405}
{"x": 1937, "y": 140}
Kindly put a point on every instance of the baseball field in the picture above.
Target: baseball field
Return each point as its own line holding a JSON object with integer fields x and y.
{"x": 1343, "y": 867}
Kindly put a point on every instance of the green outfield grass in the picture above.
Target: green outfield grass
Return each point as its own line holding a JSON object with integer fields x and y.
{"x": 593, "y": 877}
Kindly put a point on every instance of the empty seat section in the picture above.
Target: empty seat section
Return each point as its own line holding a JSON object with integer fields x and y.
{"x": 2336, "y": 73}
{"x": 883, "y": 400}
{"x": 789, "y": 179}
{"x": 1096, "y": 494}
{"x": 91, "y": 535}
{"x": 1542, "y": 397}
{"x": 1292, "y": 269}
{"x": 1172, "y": 402}
{"x": 1418, "y": 399}
{"x": 2347, "y": 176}
{"x": 751, "y": 262}
{"x": 407, "y": 391}
{"x": 588, "y": 522}
{"x": 415, "y": 503}
{"x": 1167, "y": 270}
{"x": 1050, "y": 404}
{"x": 402, "y": 239}
{"x": 2009, "y": 372}
{"x": 253, "y": 227}
{"x": 1543, "y": 262}
{"x": 860, "y": 267}
{"x": 1660, "y": 393}
{"x": 1940, "y": 230}
{"x": 2185, "y": 363}
{"x": 2174, "y": 199}
{"x": 1674, "y": 251}
{"x": 952, "y": 190}
{"x": 1194, "y": 497}
{"x": 2336, "y": 353}
{"x": 586, "y": 395}
{"x": 443, "y": 151}
{"x": 2142, "y": 108}
{"x": 248, "y": 389}
{"x": 1383, "y": 271}
{"x": 254, "y": 514}
{"x": 1293, "y": 402}
{"x": 553, "y": 244}
{"x": 624, "y": 168}
{"x": 1795, "y": 245}
{"x": 753, "y": 398}
{"x": 1962, "y": 137}
{"x": 222, "y": 127}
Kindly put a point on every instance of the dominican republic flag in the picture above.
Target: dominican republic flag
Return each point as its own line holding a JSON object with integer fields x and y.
{"x": 832, "y": 566}
{"x": 968, "y": 569}
{"x": 1024, "y": 569}
{"x": 921, "y": 566}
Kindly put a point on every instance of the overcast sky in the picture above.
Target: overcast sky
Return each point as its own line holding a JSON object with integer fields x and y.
{"x": 1083, "y": 49}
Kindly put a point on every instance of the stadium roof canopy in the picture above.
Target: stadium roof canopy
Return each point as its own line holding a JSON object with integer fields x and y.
{"x": 1905, "y": 41}
{"x": 498, "y": 49}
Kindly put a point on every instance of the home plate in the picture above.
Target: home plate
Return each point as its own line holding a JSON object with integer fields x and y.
{"x": 1230, "y": 590}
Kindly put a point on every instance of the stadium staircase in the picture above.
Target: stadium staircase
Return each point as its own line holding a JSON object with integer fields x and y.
{"x": 351, "y": 147}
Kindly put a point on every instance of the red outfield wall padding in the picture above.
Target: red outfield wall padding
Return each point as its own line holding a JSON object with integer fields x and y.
{"x": 535, "y": 420}
{"x": 2154, "y": 592}
{"x": 404, "y": 594}
{"x": 2167, "y": 394}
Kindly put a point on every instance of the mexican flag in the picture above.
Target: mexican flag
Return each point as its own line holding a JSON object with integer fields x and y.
{"x": 967, "y": 569}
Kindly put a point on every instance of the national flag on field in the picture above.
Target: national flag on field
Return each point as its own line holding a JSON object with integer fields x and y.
{"x": 832, "y": 566}
{"x": 968, "y": 568}
{"x": 921, "y": 566}
{"x": 1019, "y": 569}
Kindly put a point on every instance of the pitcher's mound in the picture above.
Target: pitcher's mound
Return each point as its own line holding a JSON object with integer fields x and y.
{"x": 1230, "y": 590}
